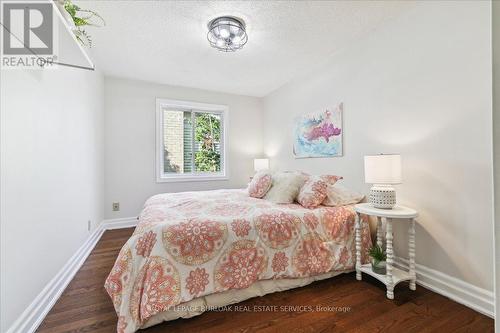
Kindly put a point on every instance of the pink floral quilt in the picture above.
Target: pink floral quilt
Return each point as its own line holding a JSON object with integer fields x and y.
{"x": 192, "y": 244}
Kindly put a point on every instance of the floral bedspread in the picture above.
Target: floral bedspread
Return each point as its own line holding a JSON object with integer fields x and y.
{"x": 192, "y": 244}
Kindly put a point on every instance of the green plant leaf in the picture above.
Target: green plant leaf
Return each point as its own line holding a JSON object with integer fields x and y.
{"x": 377, "y": 253}
{"x": 82, "y": 17}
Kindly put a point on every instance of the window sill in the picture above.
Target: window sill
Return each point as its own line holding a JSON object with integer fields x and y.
{"x": 190, "y": 178}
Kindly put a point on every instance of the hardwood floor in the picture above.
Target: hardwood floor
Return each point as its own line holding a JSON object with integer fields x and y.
{"x": 85, "y": 306}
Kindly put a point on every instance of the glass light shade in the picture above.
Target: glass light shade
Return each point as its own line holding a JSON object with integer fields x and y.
{"x": 227, "y": 33}
{"x": 224, "y": 32}
{"x": 383, "y": 169}
{"x": 260, "y": 164}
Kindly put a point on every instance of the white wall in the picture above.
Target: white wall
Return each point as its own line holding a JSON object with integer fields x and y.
{"x": 496, "y": 149}
{"x": 420, "y": 85}
{"x": 130, "y": 141}
{"x": 51, "y": 175}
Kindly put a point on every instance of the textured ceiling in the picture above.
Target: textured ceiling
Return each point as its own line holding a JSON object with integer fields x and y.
{"x": 165, "y": 41}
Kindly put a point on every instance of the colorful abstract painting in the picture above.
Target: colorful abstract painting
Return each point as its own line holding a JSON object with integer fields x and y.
{"x": 319, "y": 134}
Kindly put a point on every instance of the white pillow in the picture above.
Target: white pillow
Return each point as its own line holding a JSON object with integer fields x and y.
{"x": 338, "y": 195}
{"x": 285, "y": 187}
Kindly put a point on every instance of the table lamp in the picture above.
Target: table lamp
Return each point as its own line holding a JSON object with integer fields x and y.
{"x": 383, "y": 171}
{"x": 260, "y": 164}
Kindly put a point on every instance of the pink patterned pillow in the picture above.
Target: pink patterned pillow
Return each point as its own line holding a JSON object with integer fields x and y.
{"x": 313, "y": 192}
{"x": 260, "y": 184}
{"x": 331, "y": 179}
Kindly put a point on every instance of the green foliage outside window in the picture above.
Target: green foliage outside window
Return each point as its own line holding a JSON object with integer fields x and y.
{"x": 207, "y": 137}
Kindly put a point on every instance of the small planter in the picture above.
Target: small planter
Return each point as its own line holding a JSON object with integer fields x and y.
{"x": 379, "y": 268}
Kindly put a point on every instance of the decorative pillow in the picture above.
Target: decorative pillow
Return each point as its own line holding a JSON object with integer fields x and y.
{"x": 285, "y": 187}
{"x": 331, "y": 179}
{"x": 338, "y": 195}
{"x": 313, "y": 193}
{"x": 260, "y": 184}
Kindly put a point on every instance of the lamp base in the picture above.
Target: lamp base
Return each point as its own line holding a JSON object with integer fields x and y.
{"x": 383, "y": 197}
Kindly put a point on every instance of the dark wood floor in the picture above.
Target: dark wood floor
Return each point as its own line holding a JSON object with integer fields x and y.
{"x": 85, "y": 306}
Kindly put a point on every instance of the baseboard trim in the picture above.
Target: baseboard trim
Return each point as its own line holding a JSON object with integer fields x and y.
{"x": 478, "y": 299}
{"x": 34, "y": 314}
{"x": 126, "y": 222}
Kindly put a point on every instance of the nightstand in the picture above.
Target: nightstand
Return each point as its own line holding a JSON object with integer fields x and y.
{"x": 394, "y": 275}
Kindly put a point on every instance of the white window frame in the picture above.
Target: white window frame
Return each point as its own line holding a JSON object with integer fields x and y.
{"x": 222, "y": 110}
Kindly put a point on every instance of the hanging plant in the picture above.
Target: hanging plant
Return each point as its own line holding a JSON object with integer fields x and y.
{"x": 81, "y": 18}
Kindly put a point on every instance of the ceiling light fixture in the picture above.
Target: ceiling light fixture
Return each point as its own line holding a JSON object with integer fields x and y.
{"x": 227, "y": 33}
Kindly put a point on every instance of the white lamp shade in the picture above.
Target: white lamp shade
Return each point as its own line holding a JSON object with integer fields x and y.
{"x": 383, "y": 169}
{"x": 260, "y": 164}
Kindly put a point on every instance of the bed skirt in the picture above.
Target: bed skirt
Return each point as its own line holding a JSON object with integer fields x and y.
{"x": 197, "y": 306}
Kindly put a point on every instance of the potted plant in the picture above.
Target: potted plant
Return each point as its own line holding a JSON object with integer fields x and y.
{"x": 378, "y": 259}
{"x": 79, "y": 18}
{"x": 67, "y": 17}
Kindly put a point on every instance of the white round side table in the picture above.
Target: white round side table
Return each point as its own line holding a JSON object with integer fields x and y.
{"x": 394, "y": 275}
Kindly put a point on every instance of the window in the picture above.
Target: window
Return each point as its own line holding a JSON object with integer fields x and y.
{"x": 190, "y": 141}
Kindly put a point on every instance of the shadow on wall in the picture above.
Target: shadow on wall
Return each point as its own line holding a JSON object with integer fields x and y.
{"x": 430, "y": 185}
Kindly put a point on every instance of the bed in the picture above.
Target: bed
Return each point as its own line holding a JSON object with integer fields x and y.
{"x": 194, "y": 251}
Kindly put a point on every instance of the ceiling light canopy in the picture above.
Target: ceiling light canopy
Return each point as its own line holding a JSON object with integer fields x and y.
{"x": 227, "y": 33}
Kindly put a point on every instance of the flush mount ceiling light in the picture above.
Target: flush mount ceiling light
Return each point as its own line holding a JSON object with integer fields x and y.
{"x": 227, "y": 33}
